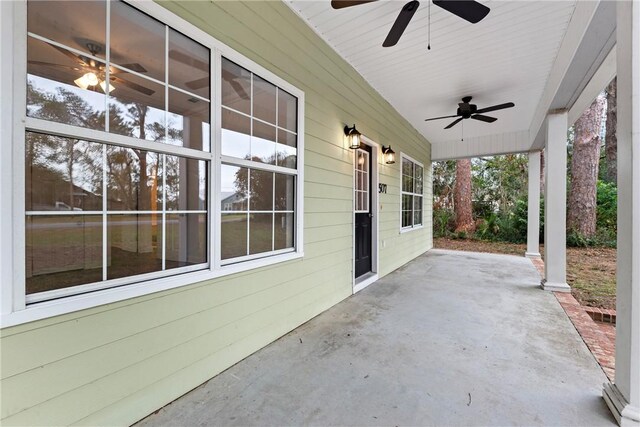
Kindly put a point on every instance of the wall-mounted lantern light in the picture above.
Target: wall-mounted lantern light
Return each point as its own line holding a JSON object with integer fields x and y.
{"x": 389, "y": 155}
{"x": 353, "y": 137}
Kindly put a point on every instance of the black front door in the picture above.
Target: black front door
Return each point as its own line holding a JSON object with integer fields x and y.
{"x": 363, "y": 213}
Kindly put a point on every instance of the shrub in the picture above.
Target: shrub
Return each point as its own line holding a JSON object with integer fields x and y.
{"x": 442, "y": 219}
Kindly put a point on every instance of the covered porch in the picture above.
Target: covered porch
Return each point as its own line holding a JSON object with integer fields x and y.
{"x": 429, "y": 344}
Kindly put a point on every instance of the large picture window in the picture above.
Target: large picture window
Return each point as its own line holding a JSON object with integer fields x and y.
{"x": 258, "y": 176}
{"x": 121, "y": 185}
{"x": 412, "y": 180}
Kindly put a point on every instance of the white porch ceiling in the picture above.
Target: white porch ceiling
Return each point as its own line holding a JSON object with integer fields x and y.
{"x": 506, "y": 57}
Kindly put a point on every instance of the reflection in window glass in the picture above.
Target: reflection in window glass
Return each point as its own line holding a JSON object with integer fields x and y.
{"x": 260, "y": 229}
{"x": 260, "y": 190}
{"x": 236, "y": 129}
{"x": 233, "y": 185}
{"x": 186, "y": 239}
{"x": 188, "y": 121}
{"x": 283, "y": 231}
{"x": 236, "y": 87}
{"x": 133, "y": 180}
{"x": 186, "y": 183}
{"x": 285, "y": 189}
{"x": 234, "y": 235}
{"x": 62, "y": 174}
{"x": 144, "y": 52}
{"x": 55, "y": 91}
{"x": 188, "y": 64}
{"x": 134, "y": 245}
{"x": 62, "y": 251}
{"x": 263, "y": 146}
{"x": 77, "y": 24}
{"x": 286, "y": 149}
{"x": 287, "y": 111}
{"x": 264, "y": 100}
{"x": 137, "y": 107}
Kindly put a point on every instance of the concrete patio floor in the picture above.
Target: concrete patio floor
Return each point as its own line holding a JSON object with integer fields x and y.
{"x": 451, "y": 338}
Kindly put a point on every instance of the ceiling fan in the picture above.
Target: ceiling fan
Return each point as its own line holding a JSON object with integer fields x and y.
{"x": 94, "y": 73}
{"x": 471, "y": 111}
{"x": 205, "y": 81}
{"x": 469, "y": 10}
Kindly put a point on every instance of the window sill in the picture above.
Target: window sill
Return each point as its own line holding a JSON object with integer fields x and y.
{"x": 47, "y": 309}
{"x": 408, "y": 229}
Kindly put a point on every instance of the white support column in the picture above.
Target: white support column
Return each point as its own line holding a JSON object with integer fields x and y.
{"x": 555, "y": 204}
{"x": 623, "y": 397}
{"x": 533, "y": 207}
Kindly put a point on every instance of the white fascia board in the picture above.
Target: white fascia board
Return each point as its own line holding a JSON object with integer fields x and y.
{"x": 596, "y": 85}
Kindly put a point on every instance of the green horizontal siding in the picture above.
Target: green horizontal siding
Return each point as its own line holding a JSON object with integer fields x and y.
{"x": 117, "y": 363}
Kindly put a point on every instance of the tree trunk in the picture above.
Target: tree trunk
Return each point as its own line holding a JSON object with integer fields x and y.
{"x": 584, "y": 170}
{"x": 611, "y": 139}
{"x": 462, "y": 197}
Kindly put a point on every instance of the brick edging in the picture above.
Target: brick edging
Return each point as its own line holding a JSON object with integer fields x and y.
{"x": 601, "y": 314}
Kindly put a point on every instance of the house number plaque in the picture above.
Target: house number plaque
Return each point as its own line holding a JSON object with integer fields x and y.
{"x": 382, "y": 188}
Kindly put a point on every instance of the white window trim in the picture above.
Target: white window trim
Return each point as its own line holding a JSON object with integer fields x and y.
{"x": 13, "y": 120}
{"x": 411, "y": 227}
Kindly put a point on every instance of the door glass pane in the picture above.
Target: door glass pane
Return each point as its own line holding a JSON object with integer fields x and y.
{"x": 236, "y": 129}
{"x": 236, "y": 87}
{"x": 283, "y": 231}
{"x": 62, "y": 88}
{"x": 261, "y": 190}
{"x": 134, "y": 243}
{"x": 188, "y": 64}
{"x": 234, "y": 235}
{"x": 264, "y": 100}
{"x": 188, "y": 121}
{"x": 133, "y": 180}
{"x": 286, "y": 149}
{"x": 136, "y": 107}
{"x": 62, "y": 251}
{"x": 186, "y": 239}
{"x": 263, "y": 146}
{"x": 62, "y": 174}
{"x": 77, "y": 24}
{"x": 285, "y": 187}
{"x": 186, "y": 184}
{"x": 137, "y": 41}
{"x": 234, "y": 181}
{"x": 260, "y": 229}
{"x": 287, "y": 111}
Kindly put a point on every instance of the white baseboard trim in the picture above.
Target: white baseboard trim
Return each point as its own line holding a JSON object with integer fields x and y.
{"x": 532, "y": 255}
{"x": 624, "y": 413}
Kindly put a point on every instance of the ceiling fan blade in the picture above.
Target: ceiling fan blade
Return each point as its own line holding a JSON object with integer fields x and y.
{"x": 340, "y": 4}
{"x": 496, "y": 107}
{"x": 438, "y": 118}
{"x": 68, "y": 54}
{"x": 133, "y": 67}
{"x": 49, "y": 64}
{"x": 484, "y": 118}
{"x": 455, "y": 122}
{"x": 133, "y": 86}
{"x": 198, "y": 84}
{"x": 403, "y": 19}
{"x": 189, "y": 60}
{"x": 239, "y": 89}
{"x": 468, "y": 10}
